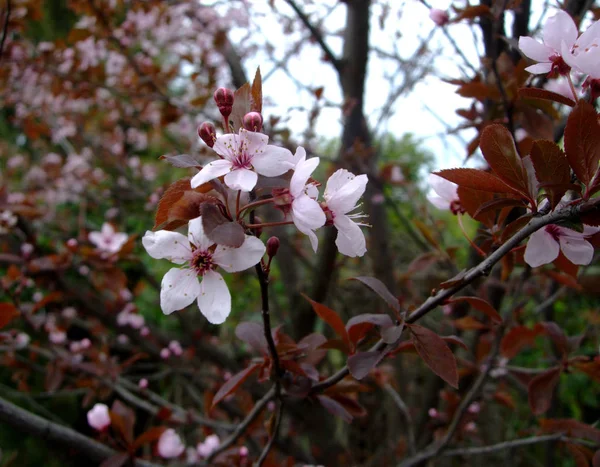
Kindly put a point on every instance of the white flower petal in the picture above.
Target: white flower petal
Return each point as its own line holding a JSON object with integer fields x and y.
{"x": 345, "y": 199}
{"x": 558, "y": 28}
{"x": 337, "y": 180}
{"x": 211, "y": 171}
{"x": 541, "y": 248}
{"x": 239, "y": 259}
{"x": 241, "y": 179}
{"x": 438, "y": 202}
{"x": 196, "y": 235}
{"x": 273, "y": 161}
{"x": 252, "y": 142}
{"x": 307, "y": 212}
{"x": 539, "y": 68}
{"x": 302, "y": 173}
{"x": 214, "y": 299}
{"x": 534, "y": 49}
{"x": 178, "y": 289}
{"x": 577, "y": 249}
{"x": 444, "y": 188}
{"x": 350, "y": 239}
{"x": 227, "y": 146}
{"x": 167, "y": 245}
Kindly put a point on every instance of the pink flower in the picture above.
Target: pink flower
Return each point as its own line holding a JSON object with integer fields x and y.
{"x": 175, "y": 348}
{"x": 180, "y": 286}
{"x": 545, "y": 244}
{"x": 306, "y": 213}
{"x": 342, "y": 192}
{"x": 170, "y": 445}
{"x": 445, "y": 196}
{"x": 559, "y": 29}
{"x": 244, "y": 156}
{"x": 108, "y": 240}
{"x": 206, "y": 448}
{"x": 584, "y": 55}
{"x": 439, "y": 17}
{"x": 143, "y": 383}
{"x": 98, "y": 417}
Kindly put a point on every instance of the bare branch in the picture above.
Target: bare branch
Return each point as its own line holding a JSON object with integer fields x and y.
{"x": 515, "y": 443}
{"x": 5, "y": 28}
{"x": 410, "y": 433}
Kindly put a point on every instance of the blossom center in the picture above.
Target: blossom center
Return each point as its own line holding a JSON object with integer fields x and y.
{"x": 554, "y": 231}
{"x": 456, "y": 207}
{"x": 559, "y": 66}
{"x": 202, "y": 262}
{"x": 242, "y": 160}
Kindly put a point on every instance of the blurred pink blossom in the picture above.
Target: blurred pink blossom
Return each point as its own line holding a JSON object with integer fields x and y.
{"x": 98, "y": 417}
{"x": 170, "y": 445}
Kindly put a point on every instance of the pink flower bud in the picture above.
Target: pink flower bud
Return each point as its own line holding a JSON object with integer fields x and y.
{"x": 170, "y": 445}
{"x": 175, "y": 348}
{"x": 433, "y": 413}
{"x": 253, "y": 121}
{"x": 439, "y": 17}
{"x": 26, "y": 249}
{"x": 99, "y": 418}
{"x": 243, "y": 451}
{"x": 207, "y": 133}
{"x": 145, "y": 331}
{"x": 165, "y": 353}
{"x": 85, "y": 343}
{"x": 72, "y": 244}
{"x": 474, "y": 408}
{"x": 471, "y": 427}
{"x": 224, "y": 99}
{"x": 206, "y": 448}
{"x": 272, "y": 246}
{"x": 143, "y": 383}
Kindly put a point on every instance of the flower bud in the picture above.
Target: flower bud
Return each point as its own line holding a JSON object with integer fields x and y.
{"x": 439, "y": 17}
{"x": 253, "y": 121}
{"x": 224, "y": 100}
{"x": 207, "y": 133}
{"x": 272, "y": 246}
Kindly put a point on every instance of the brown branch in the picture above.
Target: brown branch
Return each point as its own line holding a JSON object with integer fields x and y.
{"x": 57, "y": 435}
{"x": 515, "y": 443}
{"x": 410, "y": 433}
{"x": 5, "y": 28}
{"x": 273, "y": 438}
{"x": 316, "y": 35}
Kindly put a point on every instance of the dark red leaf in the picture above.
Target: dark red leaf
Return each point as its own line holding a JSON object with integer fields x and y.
{"x": 392, "y": 334}
{"x": 361, "y": 363}
{"x": 312, "y": 342}
{"x": 358, "y": 326}
{"x": 148, "y": 436}
{"x": 331, "y": 318}
{"x": 596, "y": 459}
{"x": 498, "y": 148}
{"x": 219, "y": 229}
{"x": 557, "y": 335}
{"x": 123, "y": 418}
{"x": 380, "y": 289}
{"x": 537, "y": 93}
{"x": 582, "y": 141}
{"x": 242, "y": 101}
{"x": 435, "y": 353}
{"x": 551, "y": 169}
{"x": 571, "y": 427}
{"x": 233, "y": 383}
{"x": 473, "y": 200}
{"x": 541, "y": 390}
{"x": 7, "y": 312}
{"x": 468, "y": 323}
{"x": 335, "y": 408}
{"x": 252, "y": 334}
{"x": 481, "y": 305}
{"x": 476, "y": 180}
{"x": 164, "y": 218}
{"x": 256, "y": 93}
{"x": 517, "y": 339}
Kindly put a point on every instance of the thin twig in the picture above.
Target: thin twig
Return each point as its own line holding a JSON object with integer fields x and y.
{"x": 410, "y": 433}
{"x": 273, "y": 438}
{"x": 5, "y": 28}
{"x": 515, "y": 443}
{"x": 241, "y": 428}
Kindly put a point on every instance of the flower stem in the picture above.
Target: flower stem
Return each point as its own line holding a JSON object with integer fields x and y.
{"x": 255, "y": 204}
{"x": 268, "y": 224}
{"x": 572, "y": 86}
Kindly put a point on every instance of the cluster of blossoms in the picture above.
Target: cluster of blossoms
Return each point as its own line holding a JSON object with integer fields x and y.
{"x": 564, "y": 49}
{"x": 254, "y": 174}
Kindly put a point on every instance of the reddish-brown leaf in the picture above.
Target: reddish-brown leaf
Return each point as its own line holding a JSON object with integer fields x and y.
{"x": 472, "y": 200}
{"x": 476, "y": 180}
{"x": 359, "y": 326}
{"x": 123, "y": 419}
{"x": 361, "y": 363}
{"x": 173, "y": 195}
{"x": 581, "y": 455}
{"x": 148, "y": 436}
{"x": 335, "y": 408}
{"x": 252, "y": 334}
{"x": 380, "y": 289}
{"x": 498, "y": 148}
{"x": 52, "y": 297}
{"x": 551, "y": 169}
{"x": 481, "y": 305}
{"x": 582, "y": 141}
{"x": 472, "y": 12}
{"x": 557, "y": 335}
{"x": 537, "y": 93}
{"x": 570, "y": 427}
{"x": 596, "y": 459}
{"x": 7, "y": 312}
{"x": 241, "y": 106}
{"x": 591, "y": 368}
{"x": 468, "y": 323}
{"x": 220, "y": 229}
{"x": 517, "y": 339}
{"x": 331, "y": 318}
{"x": 256, "y": 93}
{"x": 233, "y": 383}
{"x": 435, "y": 353}
{"x": 478, "y": 90}
{"x": 541, "y": 390}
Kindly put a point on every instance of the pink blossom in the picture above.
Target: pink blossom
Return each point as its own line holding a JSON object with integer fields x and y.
{"x": 433, "y": 413}
{"x": 206, "y": 448}
{"x": 22, "y": 340}
{"x": 545, "y": 244}
{"x": 143, "y": 383}
{"x": 559, "y": 29}
{"x": 439, "y": 17}
{"x": 244, "y": 156}
{"x": 108, "y": 239}
{"x": 57, "y": 337}
{"x": 175, "y": 348}
{"x": 446, "y": 196}
{"x": 165, "y": 353}
{"x": 180, "y": 286}
{"x": 170, "y": 445}
{"x": 98, "y": 417}
{"x": 342, "y": 192}
{"x": 584, "y": 55}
